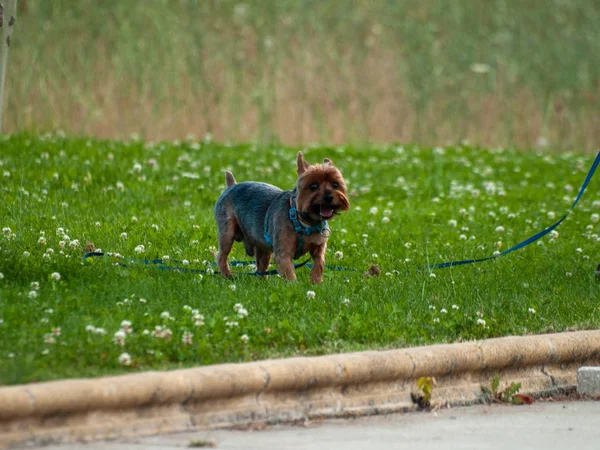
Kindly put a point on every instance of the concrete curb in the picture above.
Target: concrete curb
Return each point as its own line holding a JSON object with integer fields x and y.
{"x": 285, "y": 390}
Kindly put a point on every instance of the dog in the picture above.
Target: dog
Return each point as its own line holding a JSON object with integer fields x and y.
{"x": 283, "y": 224}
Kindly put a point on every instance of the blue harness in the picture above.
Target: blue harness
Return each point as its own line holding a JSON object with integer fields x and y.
{"x": 301, "y": 230}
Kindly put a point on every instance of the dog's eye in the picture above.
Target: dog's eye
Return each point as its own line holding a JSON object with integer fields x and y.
{"x": 335, "y": 185}
{"x": 314, "y": 187}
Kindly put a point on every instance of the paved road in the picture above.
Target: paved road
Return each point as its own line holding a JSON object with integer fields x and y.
{"x": 543, "y": 425}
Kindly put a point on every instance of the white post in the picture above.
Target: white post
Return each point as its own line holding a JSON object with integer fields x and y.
{"x": 8, "y": 15}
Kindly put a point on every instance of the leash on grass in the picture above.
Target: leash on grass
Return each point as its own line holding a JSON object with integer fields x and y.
{"x": 533, "y": 238}
{"x": 159, "y": 263}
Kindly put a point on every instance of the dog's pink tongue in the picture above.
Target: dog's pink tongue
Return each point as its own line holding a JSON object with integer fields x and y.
{"x": 326, "y": 212}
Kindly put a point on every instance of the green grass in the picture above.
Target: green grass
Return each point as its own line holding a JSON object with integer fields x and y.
{"x": 500, "y": 72}
{"x": 92, "y": 190}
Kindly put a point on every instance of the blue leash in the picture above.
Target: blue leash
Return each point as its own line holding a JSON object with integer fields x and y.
{"x": 533, "y": 238}
{"x": 160, "y": 264}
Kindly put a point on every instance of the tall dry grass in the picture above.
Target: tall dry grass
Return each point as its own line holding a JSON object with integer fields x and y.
{"x": 503, "y": 72}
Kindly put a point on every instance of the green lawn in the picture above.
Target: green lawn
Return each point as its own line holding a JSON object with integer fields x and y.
{"x": 409, "y": 206}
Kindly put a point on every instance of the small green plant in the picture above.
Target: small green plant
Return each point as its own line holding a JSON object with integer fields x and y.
{"x": 508, "y": 395}
{"x": 425, "y": 385}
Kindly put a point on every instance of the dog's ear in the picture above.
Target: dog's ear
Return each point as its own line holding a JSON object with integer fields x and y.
{"x": 302, "y": 165}
{"x": 328, "y": 162}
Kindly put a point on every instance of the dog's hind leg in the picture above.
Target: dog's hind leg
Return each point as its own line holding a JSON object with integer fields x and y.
{"x": 228, "y": 229}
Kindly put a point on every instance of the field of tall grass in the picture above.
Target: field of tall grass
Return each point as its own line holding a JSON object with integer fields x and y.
{"x": 503, "y": 72}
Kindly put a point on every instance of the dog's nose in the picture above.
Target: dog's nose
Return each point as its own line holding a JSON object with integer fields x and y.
{"x": 328, "y": 197}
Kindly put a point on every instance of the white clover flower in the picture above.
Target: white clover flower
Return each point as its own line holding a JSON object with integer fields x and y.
{"x": 42, "y": 240}
{"x": 462, "y": 237}
{"x": 100, "y": 331}
{"x": 137, "y": 167}
{"x": 134, "y": 219}
{"x": 166, "y": 258}
{"x": 125, "y": 359}
{"x": 568, "y": 274}
{"x": 50, "y": 251}
{"x": 32, "y": 294}
{"x": 374, "y": 256}
{"x": 554, "y": 234}
{"x": 140, "y": 249}
{"x": 1, "y": 276}
{"x": 49, "y": 339}
{"x": 90, "y": 328}
{"x": 455, "y": 307}
{"x": 386, "y": 219}
{"x": 244, "y": 338}
{"x": 74, "y": 243}
{"x": 198, "y": 320}
{"x": 35, "y": 285}
{"x": 186, "y": 339}
{"x": 578, "y": 250}
{"x": 185, "y": 262}
{"x": 165, "y": 315}
{"x": 123, "y": 235}
{"x": 26, "y": 254}
{"x": 407, "y": 244}
{"x": 6, "y": 231}
{"x": 500, "y": 229}
{"x": 551, "y": 214}
{"x": 56, "y": 331}
{"x": 311, "y": 295}
{"x": 55, "y": 276}
{"x": 452, "y": 223}
{"x": 432, "y": 275}
{"x": 232, "y": 287}
{"x": 154, "y": 227}
{"x": 443, "y": 310}
{"x": 119, "y": 338}
{"x": 126, "y": 326}
{"x": 595, "y": 218}
{"x": 242, "y": 312}
{"x": 374, "y": 210}
{"x": 98, "y": 224}
{"x": 338, "y": 255}
{"x": 531, "y": 310}
{"x": 481, "y": 322}
{"x": 157, "y": 332}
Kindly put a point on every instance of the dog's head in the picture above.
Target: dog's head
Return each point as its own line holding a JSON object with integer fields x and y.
{"x": 321, "y": 190}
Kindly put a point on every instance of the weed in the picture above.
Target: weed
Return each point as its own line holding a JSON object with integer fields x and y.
{"x": 425, "y": 385}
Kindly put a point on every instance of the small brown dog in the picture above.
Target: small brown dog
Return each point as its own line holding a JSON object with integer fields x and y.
{"x": 287, "y": 224}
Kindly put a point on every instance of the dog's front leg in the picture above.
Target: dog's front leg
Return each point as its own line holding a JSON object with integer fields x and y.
{"x": 318, "y": 257}
{"x": 285, "y": 266}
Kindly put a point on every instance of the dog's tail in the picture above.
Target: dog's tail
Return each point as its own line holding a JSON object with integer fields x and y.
{"x": 229, "y": 180}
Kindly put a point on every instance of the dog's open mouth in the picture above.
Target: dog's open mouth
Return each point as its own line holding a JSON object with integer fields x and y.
{"x": 326, "y": 211}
